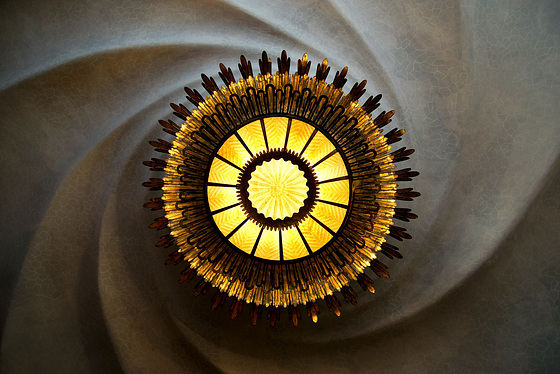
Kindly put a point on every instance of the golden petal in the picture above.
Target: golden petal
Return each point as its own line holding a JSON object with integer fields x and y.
{"x": 220, "y": 197}
{"x": 292, "y": 245}
{"x": 319, "y": 147}
{"x": 232, "y": 150}
{"x": 246, "y": 236}
{"x": 220, "y": 172}
{"x": 315, "y": 235}
{"x": 276, "y": 131}
{"x": 332, "y": 167}
{"x": 229, "y": 219}
{"x": 268, "y": 247}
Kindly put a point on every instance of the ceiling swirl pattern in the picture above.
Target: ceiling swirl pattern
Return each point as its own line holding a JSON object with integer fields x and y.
{"x": 476, "y": 87}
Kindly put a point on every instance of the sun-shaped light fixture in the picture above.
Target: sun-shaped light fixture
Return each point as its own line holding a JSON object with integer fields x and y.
{"x": 280, "y": 190}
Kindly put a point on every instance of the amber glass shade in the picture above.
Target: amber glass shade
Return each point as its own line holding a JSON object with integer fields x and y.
{"x": 277, "y": 189}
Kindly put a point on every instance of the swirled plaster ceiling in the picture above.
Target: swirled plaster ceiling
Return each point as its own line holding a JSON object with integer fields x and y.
{"x": 475, "y": 85}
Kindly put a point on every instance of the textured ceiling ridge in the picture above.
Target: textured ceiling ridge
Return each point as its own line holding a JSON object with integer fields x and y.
{"x": 475, "y": 85}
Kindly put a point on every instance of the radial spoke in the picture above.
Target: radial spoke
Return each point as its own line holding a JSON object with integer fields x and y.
{"x": 224, "y": 208}
{"x": 264, "y": 134}
{"x": 280, "y": 245}
{"x": 333, "y": 203}
{"x": 237, "y": 228}
{"x": 243, "y": 143}
{"x": 228, "y": 162}
{"x": 308, "y": 141}
{"x": 322, "y": 225}
{"x": 257, "y": 242}
{"x": 288, "y": 133}
{"x": 304, "y": 241}
{"x": 213, "y": 184}
{"x": 324, "y": 158}
{"x": 334, "y": 179}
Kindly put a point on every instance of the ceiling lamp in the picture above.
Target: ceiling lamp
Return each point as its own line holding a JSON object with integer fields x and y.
{"x": 280, "y": 190}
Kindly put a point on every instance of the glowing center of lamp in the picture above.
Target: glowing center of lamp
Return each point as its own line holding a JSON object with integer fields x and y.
{"x": 277, "y": 189}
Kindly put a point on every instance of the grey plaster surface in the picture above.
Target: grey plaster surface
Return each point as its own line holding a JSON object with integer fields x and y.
{"x": 474, "y": 83}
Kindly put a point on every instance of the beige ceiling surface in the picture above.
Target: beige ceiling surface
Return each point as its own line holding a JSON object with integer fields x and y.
{"x": 475, "y": 85}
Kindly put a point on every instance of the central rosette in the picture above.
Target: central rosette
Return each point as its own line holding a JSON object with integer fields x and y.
{"x": 277, "y": 189}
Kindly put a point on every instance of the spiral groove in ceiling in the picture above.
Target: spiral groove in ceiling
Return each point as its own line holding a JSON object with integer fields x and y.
{"x": 476, "y": 87}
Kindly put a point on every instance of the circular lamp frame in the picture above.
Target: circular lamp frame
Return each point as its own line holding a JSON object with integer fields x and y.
{"x": 362, "y": 149}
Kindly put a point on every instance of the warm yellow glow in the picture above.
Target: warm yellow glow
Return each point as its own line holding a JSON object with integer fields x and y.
{"x": 319, "y": 147}
{"x": 246, "y": 236}
{"x": 277, "y": 189}
{"x": 234, "y": 151}
{"x": 332, "y": 167}
{"x": 276, "y": 131}
{"x": 220, "y": 197}
{"x": 299, "y": 134}
{"x": 330, "y": 215}
{"x": 253, "y": 136}
{"x": 292, "y": 244}
{"x": 315, "y": 235}
{"x": 338, "y": 192}
{"x": 220, "y": 172}
{"x": 229, "y": 219}
{"x": 268, "y": 247}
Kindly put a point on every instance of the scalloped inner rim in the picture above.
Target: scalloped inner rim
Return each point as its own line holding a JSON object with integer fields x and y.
{"x": 277, "y": 189}
{"x": 308, "y": 235}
